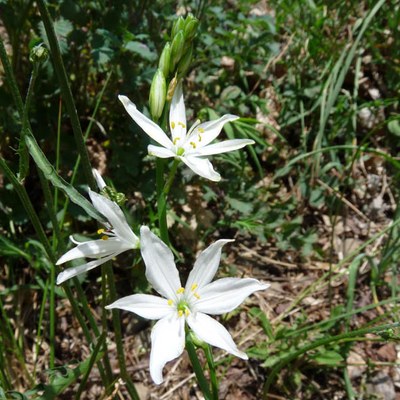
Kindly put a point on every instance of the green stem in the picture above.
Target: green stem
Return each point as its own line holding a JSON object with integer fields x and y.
{"x": 53, "y": 219}
{"x": 197, "y": 368}
{"x": 162, "y": 196}
{"x": 66, "y": 92}
{"x": 118, "y": 335}
{"x": 344, "y": 337}
{"x": 213, "y": 374}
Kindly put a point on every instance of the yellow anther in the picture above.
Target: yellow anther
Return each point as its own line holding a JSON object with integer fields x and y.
{"x": 100, "y": 231}
{"x": 170, "y": 302}
{"x": 196, "y": 295}
{"x": 176, "y": 139}
{"x": 104, "y": 237}
{"x": 187, "y": 312}
{"x": 182, "y": 124}
{"x": 173, "y": 125}
{"x": 194, "y": 287}
{"x": 201, "y": 130}
{"x": 199, "y": 139}
{"x": 180, "y": 290}
{"x": 193, "y": 144}
{"x": 180, "y": 313}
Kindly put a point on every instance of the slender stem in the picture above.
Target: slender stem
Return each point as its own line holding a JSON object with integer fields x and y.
{"x": 197, "y": 368}
{"x": 53, "y": 219}
{"x": 162, "y": 196}
{"x": 213, "y": 375}
{"x": 66, "y": 92}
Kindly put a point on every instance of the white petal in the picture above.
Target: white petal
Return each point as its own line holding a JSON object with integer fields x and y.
{"x": 145, "y": 305}
{"x": 80, "y": 269}
{"x": 206, "y": 265}
{"x": 224, "y": 295}
{"x": 202, "y": 167}
{"x": 212, "y": 332}
{"x": 167, "y": 343}
{"x": 212, "y": 129}
{"x": 116, "y": 217}
{"x": 152, "y": 129}
{"x": 99, "y": 180}
{"x": 161, "y": 152}
{"x": 222, "y": 147}
{"x": 177, "y": 115}
{"x": 161, "y": 271}
{"x": 93, "y": 249}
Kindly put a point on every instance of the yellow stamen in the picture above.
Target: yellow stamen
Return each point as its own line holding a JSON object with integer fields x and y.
{"x": 104, "y": 237}
{"x": 182, "y": 124}
{"x": 180, "y": 313}
{"x": 187, "y": 312}
{"x": 201, "y": 130}
{"x": 173, "y": 125}
{"x": 194, "y": 287}
{"x": 170, "y": 302}
{"x": 196, "y": 295}
{"x": 100, "y": 231}
{"x": 176, "y": 139}
{"x": 193, "y": 144}
{"x": 199, "y": 139}
{"x": 180, "y": 290}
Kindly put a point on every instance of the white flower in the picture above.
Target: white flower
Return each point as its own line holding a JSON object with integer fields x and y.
{"x": 190, "y": 147}
{"x": 116, "y": 238}
{"x": 190, "y": 304}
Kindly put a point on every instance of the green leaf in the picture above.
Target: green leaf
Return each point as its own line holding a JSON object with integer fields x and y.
{"x": 62, "y": 28}
{"x": 140, "y": 49}
{"x": 328, "y": 357}
{"x": 394, "y": 127}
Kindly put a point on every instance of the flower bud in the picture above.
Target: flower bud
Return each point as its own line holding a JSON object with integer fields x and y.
{"x": 165, "y": 58}
{"x": 113, "y": 195}
{"x": 179, "y": 25}
{"x": 39, "y": 54}
{"x": 171, "y": 88}
{"x": 197, "y": 341}
{"x": 185, "y": 62}
{"x": 191, "y": 24}
{"x": 177, "y": 47}
{"x": 157, "y": 94}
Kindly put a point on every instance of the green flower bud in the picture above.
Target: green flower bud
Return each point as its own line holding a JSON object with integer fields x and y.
{"x": 179, "y": 25}
{"x": 38, "y": 54}
{"x": 185, "y": 62}
{"x": 191, "y": 24}
{"x": 157, "y": 94}
{"x": 171, "y": 88}
{"x": 197, "y": 341}
{"x": 165, "y": 58}
{"x": 177, "y": 47}
{"x": 113, "y": 195}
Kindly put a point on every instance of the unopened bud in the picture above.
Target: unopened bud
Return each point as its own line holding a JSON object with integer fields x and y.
{"x": 196, "y": 340}
{"x": 165, "y": 59}
{"x": 177, "y": 47}
{"x": 38, "y": 54}
{"x": 171, "y": 88}
{"x": 179, "y": 25}
{"x": 157, "y": 94}
{"x": 113, "y": 195}
{"x": 185, "y": 62}
{"x": 191, "y": 24}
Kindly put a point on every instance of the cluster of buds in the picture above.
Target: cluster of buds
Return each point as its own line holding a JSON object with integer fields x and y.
{"x": 174, "y": 63}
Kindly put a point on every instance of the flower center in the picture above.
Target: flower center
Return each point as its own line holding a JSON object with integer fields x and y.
{"x": 183, "y": 304}
{"x": 180, "y": 151}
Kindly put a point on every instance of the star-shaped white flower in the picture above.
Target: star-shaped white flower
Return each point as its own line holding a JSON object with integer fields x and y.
{"x": 190, "y": 304}
{"x": 191, "y": 147}
{"x": 116, "y": 238}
